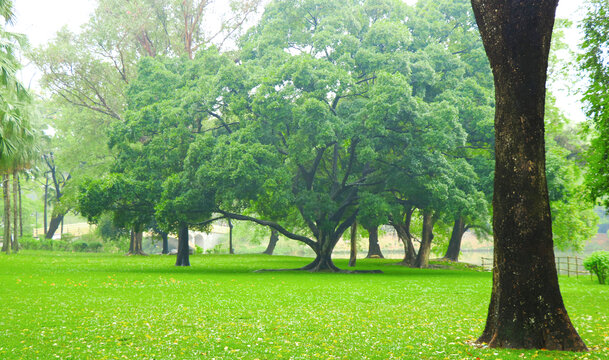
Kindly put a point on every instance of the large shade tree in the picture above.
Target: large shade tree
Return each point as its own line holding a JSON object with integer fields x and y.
{"x": 526, "y": 308}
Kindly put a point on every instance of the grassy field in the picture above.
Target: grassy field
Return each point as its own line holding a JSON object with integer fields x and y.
{"x": 100, "y": 306}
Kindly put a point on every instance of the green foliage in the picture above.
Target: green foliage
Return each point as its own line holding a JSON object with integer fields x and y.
{"x": 80, "y": 246}
{"x": 139, "y": 306}
{"x": 598, "y": 264}
{"x": 593, "y": 65}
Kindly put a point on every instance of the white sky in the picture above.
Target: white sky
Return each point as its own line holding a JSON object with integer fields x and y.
{"x": 41, "y": 19}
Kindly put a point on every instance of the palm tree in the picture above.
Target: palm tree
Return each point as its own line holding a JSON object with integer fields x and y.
{"x": 16, "y": 135}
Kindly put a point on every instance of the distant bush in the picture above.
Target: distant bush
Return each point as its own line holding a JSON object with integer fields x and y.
{"x": 198, "y": 250}
{"x": 29, "y": 243}
{"x": 80, "y": 246}
{"x": 95, "y": 246}
{"x": 598, "y": 263}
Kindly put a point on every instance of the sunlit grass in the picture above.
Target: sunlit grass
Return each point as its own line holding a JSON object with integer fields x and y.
{"x": 98, "y": 306}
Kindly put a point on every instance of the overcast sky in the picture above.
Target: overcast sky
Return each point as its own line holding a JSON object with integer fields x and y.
{"x": 41, "y": 19}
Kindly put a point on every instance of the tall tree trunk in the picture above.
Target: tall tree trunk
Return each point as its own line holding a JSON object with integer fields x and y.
{"x": 374, "y": 249}
{"x": 426, "y": 239}
{"x": 165, "y": 238}
{"x": 46, "y": 202}
{"x": 353, "y": 252}
{"x": 135, "y": 241}
{"x": 526, "y": 308}
{"x": 323, "y": 259}
{"x": 139, "y": 238}
{"x": 15, "y": 243}
{"x": 132, "y": 245}
{"x": 454, "y": 245}
{"x": 402, "y": 227}
{"x": 54, "y": 225}
{"x": 183, "y": 258}
{"x": 230, "y": 238}
{"x": 20, "y": 208}
{"x": 272, "y": 242}
{"x": 6, "y": 242}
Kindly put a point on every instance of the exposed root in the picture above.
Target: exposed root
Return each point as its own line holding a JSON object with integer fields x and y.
{"x": 136, "y": 253}
{"x": 332, "y": 271}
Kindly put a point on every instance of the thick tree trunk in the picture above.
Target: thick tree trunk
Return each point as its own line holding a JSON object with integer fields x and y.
{"x": 426, "y": 239}
{"x": 323, "y": 260}
{"x": 6, "y": 241}
{"x": 136, "y": 240}
{"x": 54, "y": 225}
{"x": 353, "y": 252}
{"x": 165, "y": 238}
{"x": 15, "y": 243}
{"x": 403, "y": 230}
{"x": 454, "y": 245}
{"x": 230, "y": 238}
{"x": 20, "y": 208}
{"x": 374, "y": 249}
{"x": 526, "y": 308}
{"x": 183, "y": 258}
{"x": 46, "y": 202}
{"x": 270, "y": 248}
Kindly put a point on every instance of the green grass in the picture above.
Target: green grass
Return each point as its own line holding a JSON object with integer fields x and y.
{"x": 97, "y": 306}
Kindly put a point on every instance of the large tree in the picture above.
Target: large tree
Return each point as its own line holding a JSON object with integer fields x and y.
{"x": 526, "y": 308}
{"x": 16, "y": 136}
{"x": 593, "y": 64}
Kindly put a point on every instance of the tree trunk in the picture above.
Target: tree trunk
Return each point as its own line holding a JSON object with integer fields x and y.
{"x": 20, "y": 208}
{"x": 54, "y": 225}
{"x": 272, "y": 242}
{"x": 374, "y": 249}
{"x": 15, "y": 243}
{"x": 454, "y": 245}
{"x": 230, "y": 238}
{"x": 402, "y": 227}
{"x": 165, "y": 238}
{"x": 46, "y": 201}
{"x": 353, "y": 252}
{"x": 135, "y": 242}
{"x": 426, "y": 238}
{"x": 183, "y": 258}
{"x": 526, "y": 308}
{"x": 6, "y": 241}
{"x": 323, "y": 260}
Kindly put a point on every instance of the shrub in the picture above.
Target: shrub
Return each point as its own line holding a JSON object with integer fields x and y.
{"x": 598, "y": 263}
{"x": 30, "y": 243}
{"x": 80, "y": 246}
{"x": 95, "y": 246}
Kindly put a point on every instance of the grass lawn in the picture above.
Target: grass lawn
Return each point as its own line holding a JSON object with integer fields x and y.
{"x": 101, "y": 306}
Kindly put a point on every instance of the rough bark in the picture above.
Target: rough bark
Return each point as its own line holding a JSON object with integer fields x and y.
{"x": 6, "y": 241}
{"x": 422, "y": 260}
{"x": 374, "y": 249}
{"x": 526, "y": 308}
{"x": 165, "y": 238}
{"x": 454, "y": 245}
{"x": 46, "y": 202}
{"x": 53, "y": 226}
{"x": 270, "y": 248}
{"x": 403, "y": 230}
{"x": 353, "y": 243}
{"x": 183, "y": 257}
{"x": 135, "y": 243}
{"x": 15, "y": 243}
{"x": 231, "y": 250}
{"x": 20, "y": 208}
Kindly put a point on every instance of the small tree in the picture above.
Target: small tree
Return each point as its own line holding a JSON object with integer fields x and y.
{"x": 598, "y": 263}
